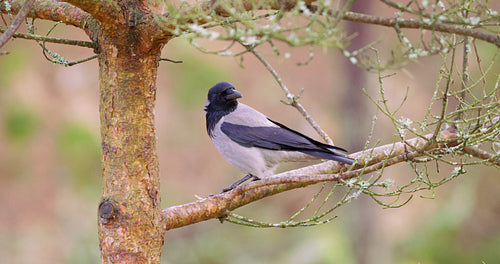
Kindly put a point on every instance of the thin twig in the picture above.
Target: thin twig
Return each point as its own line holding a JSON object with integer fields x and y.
{"x": 293, "y": 100}
{"x": 446, "y": 94}
{"x": 465, "y": 70}
{"x": 170, "y": 60}
{"x": 23, "y": 12}
{"x": 56, "y": 58}
{"x": 478, "y": 59}
{"x": 80, "y": 43}
{"x": 82, "y": 60}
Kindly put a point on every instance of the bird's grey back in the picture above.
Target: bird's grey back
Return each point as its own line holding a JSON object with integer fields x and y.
{"x": 245, "y": 115}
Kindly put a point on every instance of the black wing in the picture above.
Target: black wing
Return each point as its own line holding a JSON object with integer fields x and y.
{"x": 281, "y": 138}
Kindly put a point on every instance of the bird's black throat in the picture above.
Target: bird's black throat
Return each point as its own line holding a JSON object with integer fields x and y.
{"x": 214, "y": 112}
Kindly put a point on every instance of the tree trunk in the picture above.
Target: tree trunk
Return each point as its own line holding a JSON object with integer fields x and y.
{"x": 130, "y": 219}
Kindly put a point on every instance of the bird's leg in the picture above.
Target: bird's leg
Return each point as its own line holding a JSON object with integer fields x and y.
{"x": 236, "y": 183}
{"x": 240, "y": 181}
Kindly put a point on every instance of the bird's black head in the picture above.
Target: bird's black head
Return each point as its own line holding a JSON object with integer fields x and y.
{"x": 221, "y": 100}
{"x": 222, "y": 97}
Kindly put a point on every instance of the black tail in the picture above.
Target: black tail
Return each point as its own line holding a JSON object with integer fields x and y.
{"x": 316, "y": 148}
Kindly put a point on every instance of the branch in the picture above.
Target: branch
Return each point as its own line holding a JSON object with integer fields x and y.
{"x": 54, "y": 11}
{"x": 292, "y": 99}
{"x": 102, "y": 10}
{"x": 81, "y": 43}
{"x": 481, "y": 154}
{"x": 409, "y": 23}
{"x": 192, "y": 14}
{"x": 216, "y": 206}
{"x": 247, "y": 5}
{"x": 16, "y": 22}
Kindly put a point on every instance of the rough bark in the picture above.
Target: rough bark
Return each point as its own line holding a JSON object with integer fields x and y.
{"x": 129, "y": 213}
{"x": 130, "y": 218}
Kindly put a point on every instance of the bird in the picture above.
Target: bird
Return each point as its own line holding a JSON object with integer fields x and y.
{"x": 252, "y": 142}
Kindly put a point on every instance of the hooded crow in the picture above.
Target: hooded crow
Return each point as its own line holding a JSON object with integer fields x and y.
{"x": 252, "y": 142}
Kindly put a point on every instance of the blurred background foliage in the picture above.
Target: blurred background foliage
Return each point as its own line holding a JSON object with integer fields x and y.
{"x": 20, "y": 124}
{"x": 50, "y": 162}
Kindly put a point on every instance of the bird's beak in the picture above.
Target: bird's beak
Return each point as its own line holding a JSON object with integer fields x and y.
{"x": 233, "y": 95}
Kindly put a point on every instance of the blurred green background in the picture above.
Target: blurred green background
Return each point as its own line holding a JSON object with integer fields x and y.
{"x": 50, "y": 182}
